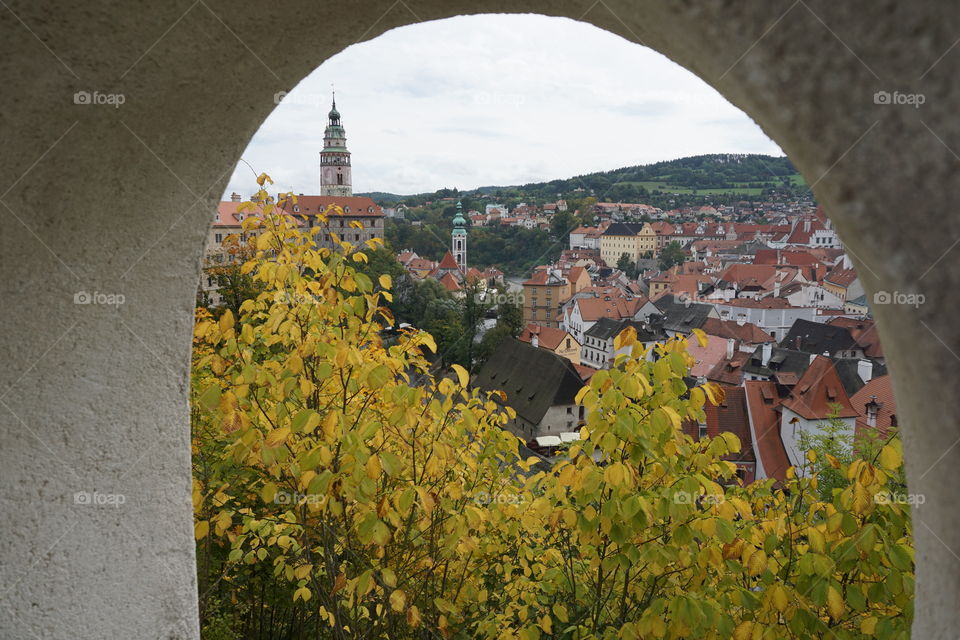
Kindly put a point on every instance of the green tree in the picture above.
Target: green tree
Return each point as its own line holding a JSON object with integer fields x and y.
{"x": 671, "y": 255}
{"x": 628, "y": 266}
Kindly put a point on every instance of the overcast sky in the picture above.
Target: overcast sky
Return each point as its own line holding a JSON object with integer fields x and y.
{"x": 495, "y": 100}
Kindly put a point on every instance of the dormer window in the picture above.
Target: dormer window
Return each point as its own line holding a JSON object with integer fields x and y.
{"x": 346, "y": 209}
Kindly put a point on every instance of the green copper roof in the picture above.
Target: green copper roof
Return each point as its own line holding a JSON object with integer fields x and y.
{"x": 458, "y": 219}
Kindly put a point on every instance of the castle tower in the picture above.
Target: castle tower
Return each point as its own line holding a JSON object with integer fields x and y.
{"x": 335, "y": 179}
{"x": 459, "y": 239}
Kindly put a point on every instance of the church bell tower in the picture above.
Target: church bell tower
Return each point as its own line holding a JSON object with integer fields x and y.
{"x": 335, "y": 178}
{"x": 459, "y": 239}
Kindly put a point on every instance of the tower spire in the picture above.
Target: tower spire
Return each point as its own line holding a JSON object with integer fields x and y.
{"x": 459, "y": 238}
{"x": 335, "y": 159}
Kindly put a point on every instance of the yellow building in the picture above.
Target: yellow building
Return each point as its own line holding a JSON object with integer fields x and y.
{"x": 556, "y": 340}
{"x": 543, "y": 294}
{"x": 627, "y": 238}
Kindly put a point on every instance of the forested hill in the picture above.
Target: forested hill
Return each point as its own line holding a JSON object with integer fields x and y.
{"x": 714, "y": 174}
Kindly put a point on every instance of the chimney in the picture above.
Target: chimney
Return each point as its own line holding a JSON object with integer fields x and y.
{"x": 865, "y": 370}
{"x": 872, "y": 408}
{"x": 535, "y": 340}
{"x": 235, "y": 197}
{"x": 731, "y": 345}
{"x": 806, "y": 224}
{"x": 766, "y": 351}
{"x": 776, "y": 286}
{"x": 741, "y": 319}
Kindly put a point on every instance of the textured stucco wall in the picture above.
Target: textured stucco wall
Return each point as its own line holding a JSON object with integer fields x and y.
{"x": 93, "y": 397}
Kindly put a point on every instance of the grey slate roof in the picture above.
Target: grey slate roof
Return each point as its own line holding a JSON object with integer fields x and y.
{"x": 533, "y": 379}
{"x": 606, "y": 328}
{"x": 623, "y": 229}
{"x": 677, "y": 316}
{"x": 816, "y": 337}
{"x": 781, "y": 360}
{"x": 849, "y": 375}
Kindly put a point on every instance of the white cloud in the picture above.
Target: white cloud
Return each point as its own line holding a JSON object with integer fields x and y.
{"x": 495, "y": 99}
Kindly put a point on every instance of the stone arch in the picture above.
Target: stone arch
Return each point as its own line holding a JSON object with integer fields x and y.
{"x": 115, "y": 199}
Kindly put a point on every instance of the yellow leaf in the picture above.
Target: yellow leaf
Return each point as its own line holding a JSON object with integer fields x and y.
{"x": 890, "y": 457}
{"x": 226, "y": 320}
{"x": 625, "y": 338}
{"x": 714, "y": 392}
{"x": 373, "y": 467}
{"x": 816, "y": 540}
{"x": 833, "y": 461}
{"x": 744, "y": 631}
{"x": 462, "y": 375}
{"x": 428, "y": 340}
{"x": 561, "y": 612}
{"x": 861, "y": 499}
{"x": 269, "y": 492}
{"x": 302, "y": 571}
{"x": 389, "y": 577}
{"x": 385, "y": 281}
{"x": 673, "y": 415}
{"x": 835, "y": 604}
{"x": 757, "y": 562}
{"x": 277, "y": 437}
{"x": 778, "y": 596}
{"x": 701, "y": 337}
{"x": 868, "y": 626}
{"x": 579, "y": 398}
{"x": 398, "y": 600}
{"x": 413, "y": 617}
{"x": 201, "y": 529}
{"x": 303, "y": 593}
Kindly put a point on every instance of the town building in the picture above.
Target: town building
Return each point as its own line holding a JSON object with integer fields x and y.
{"x": 556, "y": 340}
{"x": 539, "y": 385}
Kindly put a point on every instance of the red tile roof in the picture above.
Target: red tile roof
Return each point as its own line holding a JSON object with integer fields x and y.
{"x": 592, "y": 309}
{"x": 746, "y": 332}
{"x": 864, "y": 333}
{"x": 548, "y": 337}
{"x": 749, "y": 275}
{"x": 841, "y": 277}
{"x": 762, "y": 405}
{"x": 353, "y": 206}
{"x": 818, "y": 391}
{"x": 448, "y": 262}
{"x": 730, "y": 416}
{"x": 449, "y": 282}
{"x": 882, "y": 389}
{"x": 585, "y": 372}
{"x": 730, "y": 370}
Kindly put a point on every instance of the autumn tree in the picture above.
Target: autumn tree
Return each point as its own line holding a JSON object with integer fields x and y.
{"x": 344, "y": 491}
